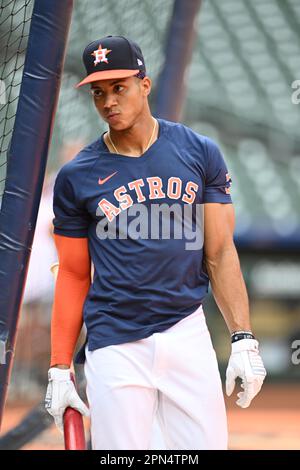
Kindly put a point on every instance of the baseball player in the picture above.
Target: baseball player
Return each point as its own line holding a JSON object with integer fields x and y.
{"x": 148, "y": 204}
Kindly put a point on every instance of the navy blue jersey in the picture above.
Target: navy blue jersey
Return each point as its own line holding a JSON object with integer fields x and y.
{"x": 143, "y": 217}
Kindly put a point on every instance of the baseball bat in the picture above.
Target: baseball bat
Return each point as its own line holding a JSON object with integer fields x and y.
{"x": 73, "y": 428}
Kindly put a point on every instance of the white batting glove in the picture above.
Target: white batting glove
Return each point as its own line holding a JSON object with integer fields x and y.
{"x": 246, "y": 363}
{"x": 61, "y": 393}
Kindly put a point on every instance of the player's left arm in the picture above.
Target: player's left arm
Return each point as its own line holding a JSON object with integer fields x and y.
{"x": 223, "y": 266}
{"x": 229, "y": 290}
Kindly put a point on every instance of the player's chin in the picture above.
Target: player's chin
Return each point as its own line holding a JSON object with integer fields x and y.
{"x": 117, "y": 123}
{"x": 114, "y": 119}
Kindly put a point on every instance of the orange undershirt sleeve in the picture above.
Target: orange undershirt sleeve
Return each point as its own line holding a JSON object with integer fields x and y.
{"x": 72, "y": 285}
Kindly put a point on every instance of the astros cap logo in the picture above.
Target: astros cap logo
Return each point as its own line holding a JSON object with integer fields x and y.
{"x": 100, "y": 55}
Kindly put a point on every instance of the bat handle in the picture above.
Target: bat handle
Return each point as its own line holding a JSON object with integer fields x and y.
{"x": 73, "y": 427}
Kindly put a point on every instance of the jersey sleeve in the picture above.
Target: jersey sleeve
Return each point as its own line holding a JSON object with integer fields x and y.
{"x": 217, "y": 181}
{"x": 70, "y": 218}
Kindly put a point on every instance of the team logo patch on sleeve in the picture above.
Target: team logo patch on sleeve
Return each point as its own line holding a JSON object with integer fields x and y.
{"x": 228, "y": 183}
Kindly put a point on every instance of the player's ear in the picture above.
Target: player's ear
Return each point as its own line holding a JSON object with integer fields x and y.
{"x": 146, "y": 85}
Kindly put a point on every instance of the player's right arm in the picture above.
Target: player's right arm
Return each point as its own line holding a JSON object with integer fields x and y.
{"x": 72, "y": 285}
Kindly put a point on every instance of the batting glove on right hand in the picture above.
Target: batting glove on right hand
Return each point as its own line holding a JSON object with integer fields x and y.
{"x": 61, "y": 393}
{"x": 246, "y": 363}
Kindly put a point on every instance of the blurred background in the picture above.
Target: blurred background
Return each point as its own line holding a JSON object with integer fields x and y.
{"x": 245, "y": 58}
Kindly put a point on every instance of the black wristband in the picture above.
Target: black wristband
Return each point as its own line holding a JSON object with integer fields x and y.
{"x": 237, "y": 336}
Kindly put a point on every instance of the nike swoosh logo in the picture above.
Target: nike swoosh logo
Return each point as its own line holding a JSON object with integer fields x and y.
{"x": 100, "y": 181}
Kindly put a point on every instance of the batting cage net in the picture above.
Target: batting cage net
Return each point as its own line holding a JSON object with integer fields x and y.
{"x": 242, "y": 90}
{"x": 15, "y": 16}
{"x": 29, "y": 86}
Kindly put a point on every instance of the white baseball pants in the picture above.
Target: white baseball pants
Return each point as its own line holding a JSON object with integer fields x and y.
{"x": 172, "y": 375}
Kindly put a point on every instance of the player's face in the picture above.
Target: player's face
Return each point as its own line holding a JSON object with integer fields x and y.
{"x": 121, "y": 102}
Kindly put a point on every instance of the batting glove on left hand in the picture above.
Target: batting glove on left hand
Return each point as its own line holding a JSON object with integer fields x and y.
{"x": 246, "y": 363}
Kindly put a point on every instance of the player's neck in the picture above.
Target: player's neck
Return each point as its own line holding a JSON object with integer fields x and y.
{"x": 133, "y": 141}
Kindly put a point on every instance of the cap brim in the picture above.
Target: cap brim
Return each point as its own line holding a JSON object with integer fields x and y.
{"x": 106, "y": 75}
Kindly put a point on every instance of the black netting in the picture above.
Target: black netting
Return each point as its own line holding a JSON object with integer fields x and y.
{"x": 15, "y": 16}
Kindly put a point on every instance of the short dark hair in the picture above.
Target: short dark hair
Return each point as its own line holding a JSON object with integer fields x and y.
{"x": 141, "y": 74}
